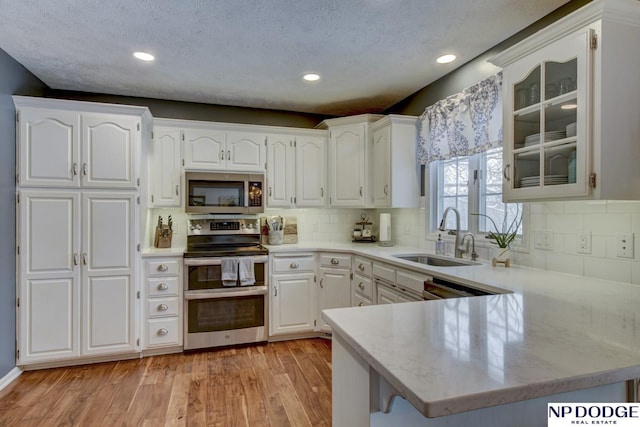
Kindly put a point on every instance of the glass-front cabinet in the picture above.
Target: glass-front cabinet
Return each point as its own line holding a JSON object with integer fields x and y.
{"x": 545, "y": 121}
{"x": 571, "y": 101}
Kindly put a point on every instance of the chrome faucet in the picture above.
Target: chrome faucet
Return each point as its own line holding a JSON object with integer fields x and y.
{"x": 456, "y": 250}
{"x": 474, "y": 255}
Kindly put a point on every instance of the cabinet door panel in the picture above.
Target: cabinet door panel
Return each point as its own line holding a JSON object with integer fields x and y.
{"x": 279, "y": 171}
{"x": 292, "y": 304}
{"x": 165, "y": 168}
{"x": 245, "y": 152}
{"x": 107, "y": 315}
{"x": 334, "y": 292}
{"x": 48, "y": 327}
{"x": 311, "y": 166}
{"x": 204, "y": 149}
{"x": 109, "y": 145}
{"x": 386, "y": 296}
{"x": 49, "y": 148}
{"x": 381, "y": 167}
{"x": 347, "y": 158}
{"x": 108, "y": 231}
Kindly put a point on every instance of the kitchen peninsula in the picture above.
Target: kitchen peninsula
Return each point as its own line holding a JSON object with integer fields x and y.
{"x": 486, "y": 360}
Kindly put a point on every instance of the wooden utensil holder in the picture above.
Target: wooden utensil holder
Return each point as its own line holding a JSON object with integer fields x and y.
{"x": 163, "y": 237}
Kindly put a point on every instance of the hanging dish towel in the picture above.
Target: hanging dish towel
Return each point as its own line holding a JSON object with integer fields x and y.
{"x": 247, "y": 276}
{"x": 229, "y": 267}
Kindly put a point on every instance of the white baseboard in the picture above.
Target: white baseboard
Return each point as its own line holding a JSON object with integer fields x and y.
{"x": 10, "y": 377}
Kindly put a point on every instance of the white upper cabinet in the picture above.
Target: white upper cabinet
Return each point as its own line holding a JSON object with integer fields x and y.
{"x": 204, "y": 149}
{"x": 296, "y": 170}
{"x": 164, "y": 168}
{"x": 77, "y": 144}
{"x": 109, "y": 150}
{"x": 311, "y": 171}
{"x": 218, "y": 146}
{"x": 350, "y": 161}
{"x": 49, "y": 148}
{"x": 280, "y": 166}
{"x": 569, "y": 102}
{"x": 395, "y": 172}
{"x": 245, "y": 151}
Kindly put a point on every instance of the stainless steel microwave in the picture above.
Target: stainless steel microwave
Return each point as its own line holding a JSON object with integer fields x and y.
{"x": 223, "y": 193}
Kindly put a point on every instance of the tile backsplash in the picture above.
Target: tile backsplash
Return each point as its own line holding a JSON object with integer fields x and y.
{"x": 603, "y": 221}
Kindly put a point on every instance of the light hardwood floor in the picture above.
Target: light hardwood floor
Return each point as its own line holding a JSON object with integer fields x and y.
{"x": 278, "y": 384}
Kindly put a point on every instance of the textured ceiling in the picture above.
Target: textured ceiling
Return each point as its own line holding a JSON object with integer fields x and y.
{"x": 370, "y": 53}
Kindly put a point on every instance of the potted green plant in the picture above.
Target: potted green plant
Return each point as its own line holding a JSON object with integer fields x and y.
{"x": 504, "y": 235}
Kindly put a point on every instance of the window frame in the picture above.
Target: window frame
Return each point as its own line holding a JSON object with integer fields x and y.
{"x": 477, "y": 173}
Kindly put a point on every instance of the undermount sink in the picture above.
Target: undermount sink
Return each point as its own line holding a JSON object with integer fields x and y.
{"x": 436, "y": 261}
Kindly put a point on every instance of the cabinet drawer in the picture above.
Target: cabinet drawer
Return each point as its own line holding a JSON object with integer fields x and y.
{"x": 162, "y": 307}
{"x": 384, "y": 272}
{"x": 163, "y": 331}
{"x": 361, "y": 301}
{"x": 335, "y": 260}
{"x": 163, "y": 267}
{"x": 165, "y": 286}
{"x": 363, "y": 286}
{"x": 411, "y": 280}
{"x": 294, "y": 264}
{"x": 362, "y": 266}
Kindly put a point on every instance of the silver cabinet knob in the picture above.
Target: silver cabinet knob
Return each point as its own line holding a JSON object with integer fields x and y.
{"x": 361, "y": 267}
{"x": 163, "y": 332}
{"x": 163, "y": 307}
{"x": 163, "y": 267}
{"x": 294, "y": 265}
{"x": 361, "y": 286}
{"x": 335, "y": 261}
{"x": 163, "y": 287}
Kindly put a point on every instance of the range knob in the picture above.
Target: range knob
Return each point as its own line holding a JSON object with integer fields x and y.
{"x": 250, "y": 226}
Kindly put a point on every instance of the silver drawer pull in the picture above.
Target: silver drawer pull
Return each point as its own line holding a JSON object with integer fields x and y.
{"x": 335, "y": 261}
{"x": 361, "y": 286}
{"x": 361, "y": 304}
{"x": 361, "y": 267}
{"x": 163, "y": 307}
{"x": 163, "y": 267}
{"x": 163, "y": 287}
{"x": 75, "y": 168}
{"x": 294, "y": 265}
{"x": 177, "y": 190}
{"x": 163, "y": 332}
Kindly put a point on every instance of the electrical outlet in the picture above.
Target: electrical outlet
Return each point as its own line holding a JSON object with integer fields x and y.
{"x": 543, "y": 239}
{"x": 624, "y": 245}
{"x": 584, "y": 242}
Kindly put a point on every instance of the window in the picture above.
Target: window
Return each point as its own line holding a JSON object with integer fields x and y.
{"x": 472, "y": 184}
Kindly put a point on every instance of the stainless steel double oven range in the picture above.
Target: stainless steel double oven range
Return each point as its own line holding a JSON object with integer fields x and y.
{"x": 233, "y": 311}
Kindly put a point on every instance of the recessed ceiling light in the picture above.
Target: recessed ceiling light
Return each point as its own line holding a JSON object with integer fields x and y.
{"x": 569, "y": 106}
{"x": 445, "y": 59}
{"x": 311, "y": 77}
{"x": 144, "y": 56}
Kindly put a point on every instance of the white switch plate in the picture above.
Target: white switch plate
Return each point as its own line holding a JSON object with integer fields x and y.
{"x": 584, "y": 242}
{"x": 543, "y": 239}
{"x": 624, "y": 244}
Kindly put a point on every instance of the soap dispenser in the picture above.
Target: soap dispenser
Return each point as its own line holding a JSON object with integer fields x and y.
{"x": 440, "y": 245}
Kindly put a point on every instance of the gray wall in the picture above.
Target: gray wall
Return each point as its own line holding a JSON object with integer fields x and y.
{"x": 14, "y": 79}
{"x": 206, "y": 112}
{"x": 475, "y": 70}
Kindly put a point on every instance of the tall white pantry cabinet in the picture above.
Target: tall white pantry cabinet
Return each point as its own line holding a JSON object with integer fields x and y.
{"x": 77, "y": 201}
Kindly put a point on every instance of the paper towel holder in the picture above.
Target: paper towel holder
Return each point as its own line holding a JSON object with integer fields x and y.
{"x": 385, "y": 235}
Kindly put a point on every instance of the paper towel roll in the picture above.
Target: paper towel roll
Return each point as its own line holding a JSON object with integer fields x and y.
{"x": 385, "y": 228}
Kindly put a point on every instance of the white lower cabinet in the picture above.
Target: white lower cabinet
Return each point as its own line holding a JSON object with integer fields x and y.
{"x": 76, "y": 288}
{"x": 334, "y": 285}
{"x": 292, "y": 294}
{"x": 163, "y": 303}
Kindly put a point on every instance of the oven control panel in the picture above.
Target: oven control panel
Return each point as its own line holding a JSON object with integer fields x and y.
{"x": 223, "y": 226}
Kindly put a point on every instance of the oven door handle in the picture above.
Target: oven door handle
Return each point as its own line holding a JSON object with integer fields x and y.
{"x": 254, "y": 290}
{"x": 218, "y": 260}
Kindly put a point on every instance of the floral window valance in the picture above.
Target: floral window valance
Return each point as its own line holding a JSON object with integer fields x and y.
{"x": 466, "y": 123}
